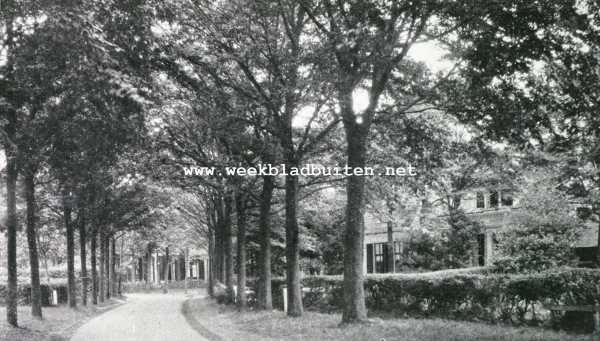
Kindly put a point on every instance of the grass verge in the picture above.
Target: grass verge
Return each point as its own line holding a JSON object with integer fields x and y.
{"x": 59, "y": 322}
{"x": 217, "y": 322}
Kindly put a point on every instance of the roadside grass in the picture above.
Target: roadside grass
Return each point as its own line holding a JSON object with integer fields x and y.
{"x": 217, "y": 322}
{"x": 58, "y": 323}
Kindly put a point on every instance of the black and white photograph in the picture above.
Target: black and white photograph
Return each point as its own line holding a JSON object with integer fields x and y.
{"x": 303, "y": 170}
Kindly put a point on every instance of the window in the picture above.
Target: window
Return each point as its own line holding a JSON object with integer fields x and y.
{"x": 494, "y": 199}
{"x": 380, "y": 250}
{"x": 377, "y": 259}
{"x": 480, "y": 200}
{"x": 506, "y": 198}
{"x": 398, "y": 253}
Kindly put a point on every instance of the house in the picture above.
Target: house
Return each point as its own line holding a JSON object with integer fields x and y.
{"x": 491, "y": 206}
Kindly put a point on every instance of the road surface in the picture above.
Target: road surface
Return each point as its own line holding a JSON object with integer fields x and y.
{"x": 145, "y": 317}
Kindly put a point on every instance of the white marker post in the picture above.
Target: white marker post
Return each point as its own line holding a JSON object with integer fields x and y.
{"x": 284, "y": 293}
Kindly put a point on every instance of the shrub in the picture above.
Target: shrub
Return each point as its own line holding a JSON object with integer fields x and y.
{"x": 24, "y": 293}
{"x": 542, "y": 233}
{"x": 475, "y": 294}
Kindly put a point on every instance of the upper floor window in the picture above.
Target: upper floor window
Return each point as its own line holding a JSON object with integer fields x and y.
{"x": 494, "y": 199}
{"x": 506, "y": 198}
{"x": 480, "y": 200}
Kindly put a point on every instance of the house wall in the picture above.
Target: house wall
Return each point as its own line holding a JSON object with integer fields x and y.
{"x": 493, "y": 217}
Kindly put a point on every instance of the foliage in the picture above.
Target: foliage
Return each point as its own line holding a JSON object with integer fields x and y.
{"x": 542, "y": 233}
{"x": 476, "y": 294}
{"x": 442, "y": 244}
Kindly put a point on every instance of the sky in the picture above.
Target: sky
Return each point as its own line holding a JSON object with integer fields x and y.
{"x": 429, "y": 53}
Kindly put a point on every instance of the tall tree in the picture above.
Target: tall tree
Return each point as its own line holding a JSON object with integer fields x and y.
{"x": 255, "y": 50}
{"x": 370, "y": 44}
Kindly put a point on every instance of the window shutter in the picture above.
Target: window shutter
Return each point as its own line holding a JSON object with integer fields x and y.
{"x": 369, "y": 258}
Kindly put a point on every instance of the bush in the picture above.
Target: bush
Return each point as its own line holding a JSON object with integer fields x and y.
{"x": 24, "y": 293}
{"x": 139, "y": 286}
{"x": 475, "y": 295}
{"x": 542, "y": 234}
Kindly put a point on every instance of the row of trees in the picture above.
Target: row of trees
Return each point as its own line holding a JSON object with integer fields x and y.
{"x": 251, "y": 69}
{"x": 276, "y": 82}
{"x": 71, "y": 102}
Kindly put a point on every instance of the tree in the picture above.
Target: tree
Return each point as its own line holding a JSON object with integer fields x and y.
{"x": 370, "y": 41}
{"x": 543, "y": 233}
{"x": 254, "y": 50}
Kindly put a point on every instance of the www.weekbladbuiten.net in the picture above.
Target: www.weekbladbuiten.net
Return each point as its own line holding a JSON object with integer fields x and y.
{"x": 306, "y": 170}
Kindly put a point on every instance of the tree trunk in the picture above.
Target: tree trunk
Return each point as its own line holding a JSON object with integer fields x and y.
{"x": 113, "y": 267}
{"x": 220, "y": 241}
{"x": 71, "y": 288}
{"x": 228, "y": 249}
{"x": 94, "y": 269}
{"x": 11, "y": 202}
{"x": 11, "y": 226}
{"x": 145, "y": 260}
{"x": 107, "y": 267}
{"x": 265, "y": 300}
{"x": 211, "y": 263}
{"x": 34, "y": 263}
{"x": 178, "y": 268}
{"x": 166, "y": 269}
{"x": 240, "y": 204}
{"x": 354, "y": 309}
{"x": 292, "y": 246}
{"x": 101, "y": 280}
{"x": 83, "y": 255}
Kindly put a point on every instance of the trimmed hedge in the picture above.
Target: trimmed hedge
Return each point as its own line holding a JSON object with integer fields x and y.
{"x": 24, "y": 294}
{"x": 475, "y": 295}
{"x": 151, "y": 286}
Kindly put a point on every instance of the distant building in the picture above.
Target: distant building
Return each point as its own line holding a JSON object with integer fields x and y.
{"x": 492, "y": 207}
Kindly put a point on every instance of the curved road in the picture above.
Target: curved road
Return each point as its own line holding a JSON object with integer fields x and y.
{"x": 145, "y": 317}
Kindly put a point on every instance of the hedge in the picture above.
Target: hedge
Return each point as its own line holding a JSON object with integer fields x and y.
{"x": 150, "y": 286}
{"x": 475, "y": 295}
{"x": 24, "y": 293}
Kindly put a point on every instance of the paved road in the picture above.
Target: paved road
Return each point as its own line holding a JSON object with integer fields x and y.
{"x": 145, "y": 317}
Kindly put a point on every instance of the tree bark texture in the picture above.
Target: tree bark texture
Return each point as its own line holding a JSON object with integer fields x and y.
{"x": 292, "y": 247}
{"x": 34, "y": 262}
{"x": 240, "y": 204}
{"x": 94, "y": 269}
{"x": 71, "y": 286}
{"x": 83, "y": 255}
{"x": 354, "y": 309}
{"x": 228, "y": 246}
{"x": 265, "y": 300}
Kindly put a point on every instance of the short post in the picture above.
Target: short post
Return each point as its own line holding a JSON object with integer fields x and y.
{"x": 54, "y": 297}
{"x": 285, "y": 302}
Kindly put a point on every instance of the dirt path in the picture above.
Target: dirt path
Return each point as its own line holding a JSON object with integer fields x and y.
{"x": 146, "y": 317}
